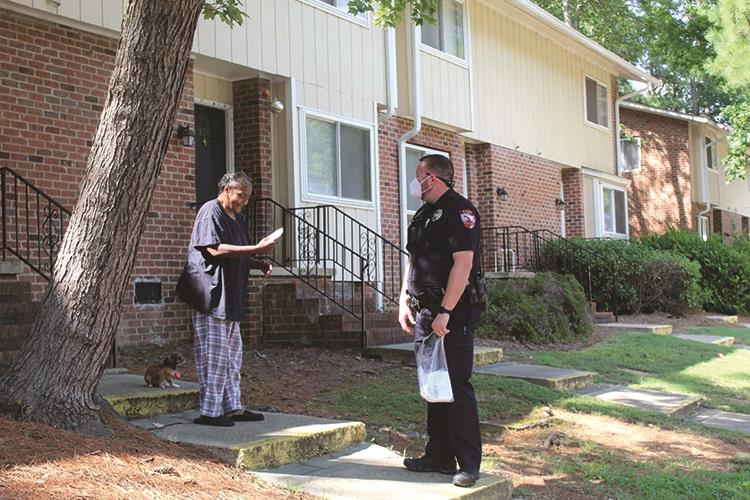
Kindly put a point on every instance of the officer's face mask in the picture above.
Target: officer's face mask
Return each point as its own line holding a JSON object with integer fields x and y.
{"x": 415, "y": 187}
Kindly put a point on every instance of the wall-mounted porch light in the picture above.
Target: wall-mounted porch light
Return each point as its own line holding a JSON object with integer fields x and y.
{"x": 186, "y": 135}
{"x": 502, "y": 193}
{"x": 560, "y": 204}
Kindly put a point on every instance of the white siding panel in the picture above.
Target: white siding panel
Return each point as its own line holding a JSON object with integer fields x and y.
{"x": 321, "y": 54}
{"x": 91, "y": 12}
{"x": 296, "y": 45}
{"x": 223, "y": 40}
{"x": 206, "y": 36}
{"x": 71, "y": 9}
{"x": 254, "y": 33}
{"x": 283, "y": 54}
{"x": 112, "y": 13}
{"x": 269, "y": 36}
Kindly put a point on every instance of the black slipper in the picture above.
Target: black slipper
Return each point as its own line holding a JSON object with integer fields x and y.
{"x": 247, "y": 416}
{"x": 220, "y": 421}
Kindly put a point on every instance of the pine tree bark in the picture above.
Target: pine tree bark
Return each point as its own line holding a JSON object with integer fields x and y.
{"x": 54, "y": 378}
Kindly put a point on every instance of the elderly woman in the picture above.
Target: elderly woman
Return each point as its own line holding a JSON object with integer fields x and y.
{"x": 214, "y": 284}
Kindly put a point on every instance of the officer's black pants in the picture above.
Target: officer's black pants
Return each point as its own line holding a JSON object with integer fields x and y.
{"x": 453, "y": 428}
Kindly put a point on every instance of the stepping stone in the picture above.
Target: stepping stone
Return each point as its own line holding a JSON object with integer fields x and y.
{"x": 746, "y": 325}
{"x": 707, "y": 339}
{"x": 640, "y": 327}
{"x": 405, "y": 353}
{"x": 278, "y": 440}
{"x": 548, "y": 376}
{"x": 131, "y": 398}
{"x": 738, "y": 422}
{"x": 669, "y": 404}
{"x": 725, "y": 319}
{"x": 370, "y": 472}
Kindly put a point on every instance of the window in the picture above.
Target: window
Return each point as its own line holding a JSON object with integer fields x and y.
{"x": 448, "y": 34}
{"x": 614, "y": 212}
{"x": 342, "y": 5}
{"x": 703, "y": 227}
{"x": 338, "y": 159}
{"x": 597, "y": 103}
{"x": 712, "y": 158}
{"x": 630, "y": 154}
{"x": 413, "y": 154}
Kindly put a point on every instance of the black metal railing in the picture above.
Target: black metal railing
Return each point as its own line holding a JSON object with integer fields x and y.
{"x": 514, "y": 248}
{"x": 338, "y": 256}
{"x": 33, "y": 223}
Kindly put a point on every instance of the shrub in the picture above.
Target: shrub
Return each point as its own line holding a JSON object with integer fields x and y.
{"x": 629, "y": 278}
{"x": 545, "y": 309}
{"x": 724, "y": 268}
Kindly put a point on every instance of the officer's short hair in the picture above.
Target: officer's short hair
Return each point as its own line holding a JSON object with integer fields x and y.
{"x": 439, "y": 165}
{"x": 234, "y": 179}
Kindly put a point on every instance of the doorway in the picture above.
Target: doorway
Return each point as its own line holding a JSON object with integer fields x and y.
{"x": 212, "y": 149}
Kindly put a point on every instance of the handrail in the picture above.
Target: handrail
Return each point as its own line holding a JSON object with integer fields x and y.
{"x": 31, "y": 237}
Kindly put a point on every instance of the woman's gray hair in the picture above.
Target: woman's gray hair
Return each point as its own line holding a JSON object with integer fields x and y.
{"x": 232, "y": 179}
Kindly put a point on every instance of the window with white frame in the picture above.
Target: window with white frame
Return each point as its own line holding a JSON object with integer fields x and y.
{"x": 630, "y": 154}
{"x": 597, "y": 103}
{"x": 342, "y": 5}
{"x": 712, "y": 155}
{"x": 614, "y": 212}
{"x": 413, "y": 154}
{"x": 448, "y": 35}
{"x": 704, "y": 227}
{"x": 337, "y": 159}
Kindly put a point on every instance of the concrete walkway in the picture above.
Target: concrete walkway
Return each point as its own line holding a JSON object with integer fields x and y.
{"x": 370, "y": 472}
{"x": 738, "y": 422}
{"x": 548, "y": 376}
{"x": 707, "y": 339}
{"x": 278, "y": 440}
{"x": 405, "y": 353}
{"x": 664, "y": 402}
{"x": 131, "y": 398}
{"x": 640, "y": 327}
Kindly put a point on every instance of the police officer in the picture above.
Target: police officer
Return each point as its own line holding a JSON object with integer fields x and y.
{"x": 441, "y": 286}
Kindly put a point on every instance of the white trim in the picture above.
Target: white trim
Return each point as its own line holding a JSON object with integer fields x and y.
{"x": 464, "y": 179}
{"x": 609, "y": 178}
{"x": 444, "y": 56}
{"x": 599, "y": 188}
{"x": 228, "y": 126}
{"x": 469, "y": 60}
{"x": 378, "y": 214}
{"x": 426, "y": 151}
{"x": 307, "y": 197}
{"x": 704, "y": 232}
{"x": 463, "y": 62}
{"x": 621, "y": 161}
{"x": 586, "y": 121}
{"x": 362, "y": 19}
{"x": 674, "y": 114}
{"x": 295, "y": 156}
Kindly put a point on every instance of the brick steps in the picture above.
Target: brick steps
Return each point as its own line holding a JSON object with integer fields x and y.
{"x": 17, "y": 313}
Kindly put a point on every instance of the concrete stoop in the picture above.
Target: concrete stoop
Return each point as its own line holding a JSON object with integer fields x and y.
{"x": 732, "y": 320}
{"x": 278, "y": 440}
{"x": 548, "y": 376}
{"x": 405, "y": 353}
{"x": 707, "y": 339}
{"x": 640, "y": 327}
{"x": 737, "y": 422}
{"x": 664, "y": 402}
{"x": 131, "y": 398}
{"x": 366, "y": 471}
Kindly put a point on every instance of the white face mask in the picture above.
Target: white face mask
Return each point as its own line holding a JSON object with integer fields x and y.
{"x": 415, "y": 188}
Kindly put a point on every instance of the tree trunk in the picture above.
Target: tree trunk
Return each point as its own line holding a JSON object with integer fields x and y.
{"x": 54, "y": 378}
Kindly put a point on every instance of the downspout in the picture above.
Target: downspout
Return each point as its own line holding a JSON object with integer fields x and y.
{"x": 704, "y": 176}
{"x": 416, "y": 98}
{"x": 618, "y": 101}
{"x": 390, "y": 73}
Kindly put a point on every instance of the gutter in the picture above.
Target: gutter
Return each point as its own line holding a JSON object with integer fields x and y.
{"x": 416, "y": 98}
{"x": 704, "y": 178}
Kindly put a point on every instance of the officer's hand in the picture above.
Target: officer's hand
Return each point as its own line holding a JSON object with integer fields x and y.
{"x": 405, "y": 316}
{"x": 440, "y": 324}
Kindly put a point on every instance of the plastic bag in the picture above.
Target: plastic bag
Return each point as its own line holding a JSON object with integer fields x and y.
{"x": 432, "y": 370}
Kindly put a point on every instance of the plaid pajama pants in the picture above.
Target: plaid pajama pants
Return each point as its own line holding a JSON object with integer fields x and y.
{"x": 218, "y": 360}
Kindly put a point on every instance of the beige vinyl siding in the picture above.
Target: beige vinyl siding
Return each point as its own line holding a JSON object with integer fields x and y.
{"x": 529, "y": 91}
{"x": 212, "y": 88}
{"x": 446, "y": 91}
{"x": 337, "y": 62}
{"x": 734, "y": 196}
{"x": 697, "y": 135}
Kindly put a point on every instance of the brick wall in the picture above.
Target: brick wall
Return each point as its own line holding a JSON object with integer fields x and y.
{"x": 53, "y": 83}
{"x": 729, "y": 224}
{"x": 660, "y": 194}
{"x": 575, "y": 223}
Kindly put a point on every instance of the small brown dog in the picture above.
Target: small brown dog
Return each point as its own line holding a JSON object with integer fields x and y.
{"x": 163, "y": 375}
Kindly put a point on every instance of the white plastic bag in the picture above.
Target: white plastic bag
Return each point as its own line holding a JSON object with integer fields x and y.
{"x": 432, "y": 370}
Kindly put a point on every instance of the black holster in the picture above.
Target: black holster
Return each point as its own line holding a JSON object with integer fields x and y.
{"x": 476, "y": 291}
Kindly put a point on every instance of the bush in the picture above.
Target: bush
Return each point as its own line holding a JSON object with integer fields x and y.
{"x": 724, "y": 268}
{"x": 628, "y": 278}
{"x": 545, "y": 309}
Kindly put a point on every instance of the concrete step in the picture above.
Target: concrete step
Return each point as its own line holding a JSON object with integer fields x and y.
{"x": 707, "y": 339}
{"x": 278, "y": 440}
{"x": 509, "y": 275}
{"x": 603, "y": 317}
{"x": 664, "y": 402}
{"x": 367, "y": 471}
{"x": 640, "y": 327}
{"x": 131, "y": 398}
{"x": 548, "y": 376}
{"x": 385, "y": 336}
{"x": 404, "y": 353}
{"x": 737, "y": 422}
{"x": 732, "y": 320}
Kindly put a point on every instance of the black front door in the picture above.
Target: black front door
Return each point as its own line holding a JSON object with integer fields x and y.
{"x": 210, "y": 151}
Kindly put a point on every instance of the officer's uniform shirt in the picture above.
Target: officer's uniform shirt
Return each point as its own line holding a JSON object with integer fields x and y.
{"x": 436, "y": 232}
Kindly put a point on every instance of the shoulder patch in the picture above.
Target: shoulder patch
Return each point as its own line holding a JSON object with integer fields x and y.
{"x": 469, "y": 218}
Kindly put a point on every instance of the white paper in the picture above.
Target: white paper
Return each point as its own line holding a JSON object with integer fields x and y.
{"x": 276, "y": 234}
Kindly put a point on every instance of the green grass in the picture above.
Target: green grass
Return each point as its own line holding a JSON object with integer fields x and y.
{"x": 717, "y": 373}
{"x": 740, "y": 334}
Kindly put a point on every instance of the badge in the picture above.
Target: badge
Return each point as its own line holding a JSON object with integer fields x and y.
{"x": 468, "y": 218}
{"x": 438, "y": 213}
